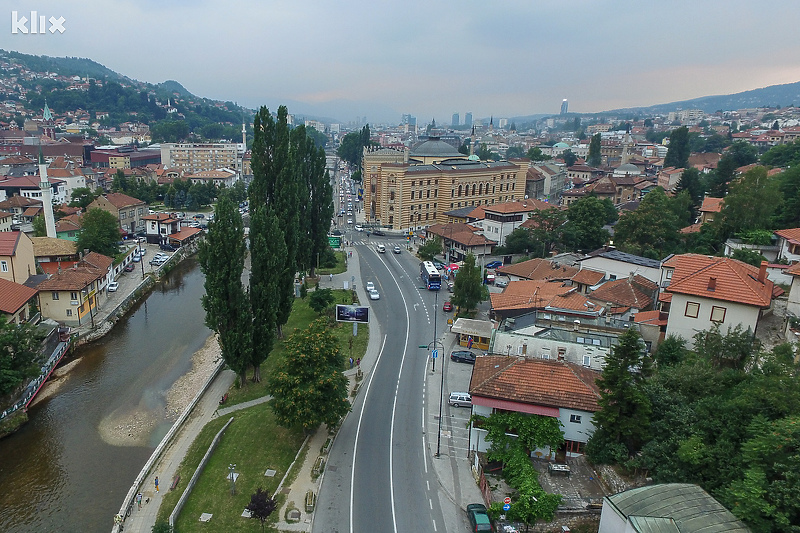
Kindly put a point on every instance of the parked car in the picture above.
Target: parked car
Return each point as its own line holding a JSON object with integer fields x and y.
{"x": 462, "y": 356}
{"x": 397, "y": 249}
{"x": 167, "y": 247}
{"x": 199, "y": 215}
{"x": 501, "y": 282}
{"x": 374, "y": 295}
{"x": 336, "y": 232}
{"x": 113, "y": 286}
{"x": 349, "y": 220}
{"x": 129, "y": 267}
{"x": 457, "y": 399}
{"x": 494, "y": 264}
{"x": 447, "y": 306}
{"x": 490, "y": 277}
{"x": 136, "y": 257}
{"x": 478, "y": 518}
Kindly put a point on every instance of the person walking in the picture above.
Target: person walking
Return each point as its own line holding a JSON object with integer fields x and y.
{"x": 330, "y": 277}
{"x": 358, "y": 362}
{"x": 139, "y": 500}
{"x": 351, "y": 362}
{"x": 156, "y": 483}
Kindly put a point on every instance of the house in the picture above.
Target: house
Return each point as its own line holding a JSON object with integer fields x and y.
{"x": 793, "y": 305}
{"x": 160, "y": 225}
{"x": 503, "y": 218}
{"x": 538, "y": 269}
{"x": 221, "y": 178}
{"x": 459, "y": 240}
{"x": 6, "y": 221}
{"x": 17, "y": 260}
{"x": 676, "y": 507}
{"x": 627, "y": 296}
{"x": 72, "y": 296}
{"x": 618, "y": 264}
{"x": 556, "y": 389}
{"x": 184, "y": 236}
{"x": 128, "y": 210}
{"x": 788, "y": 244}
{"x": 472, "y": 333}
{"x": 525, "y": 296}
{"x": 17, "y": 302}
{"x": 69, "y": 227}
{"x": 707, "y": 291}
{"x": 585, "y": 279}
{"x": 52, "y": 254}
{"x": 710, "y": 208}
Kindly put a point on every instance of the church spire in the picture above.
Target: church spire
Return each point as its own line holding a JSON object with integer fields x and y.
{"x": 46, "y": 114}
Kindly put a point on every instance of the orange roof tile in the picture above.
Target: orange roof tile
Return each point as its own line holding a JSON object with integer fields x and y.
{"x": 185, "y": 233}
{"x": 623, "y": 292}
{"x": 712, "y": 205}
{"x": 118, "y": 199}
{"x": 539, "y": 269}
{"x": 535, "y": 381}
{"x": 71, "y": 279}
{"x": 528, "y": 294}
{"x": 794, "y": 270}
{"x": 733, "y": 280}
{"x": 792, "y": 234}
{"x": 659, "y": 318}
{"x": 8, "y": 242}
{"x": 13, "y": 296}
{"x": 587, "y": 276}
{"x": 523, "y": 206}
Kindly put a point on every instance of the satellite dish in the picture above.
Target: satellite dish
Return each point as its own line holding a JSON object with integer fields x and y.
{"x": 526, "y": 196}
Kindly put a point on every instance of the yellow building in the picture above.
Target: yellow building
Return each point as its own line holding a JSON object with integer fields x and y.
{"x": 412, "y": 189}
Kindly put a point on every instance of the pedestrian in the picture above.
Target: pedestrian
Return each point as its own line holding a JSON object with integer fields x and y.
{"x": 358, "y": 362}
{"x": 156, "y": 483}
{"x": 330, "y": 277}
{"x": 351, "y": 362}
{"x": 139, "y": 500}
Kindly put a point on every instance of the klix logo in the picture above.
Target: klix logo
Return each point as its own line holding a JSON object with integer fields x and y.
{"x": 38, "y": 23}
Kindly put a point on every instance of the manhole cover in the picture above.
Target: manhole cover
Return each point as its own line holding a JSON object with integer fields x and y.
{"x": 270, "y": 473}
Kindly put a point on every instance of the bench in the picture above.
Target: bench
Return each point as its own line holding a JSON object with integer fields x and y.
{"x": 175, "y": 482}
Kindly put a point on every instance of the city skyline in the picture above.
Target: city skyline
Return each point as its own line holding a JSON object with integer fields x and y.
{"x": 359, "y": 59}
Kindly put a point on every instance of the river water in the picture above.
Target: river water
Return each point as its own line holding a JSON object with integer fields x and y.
{"x": 63, "y": 471}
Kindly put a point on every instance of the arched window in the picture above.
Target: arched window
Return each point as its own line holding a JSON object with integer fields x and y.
{"x": 412, "y": 195}
{"x": 473, "y": 189}
{"x": 480, "y": 188}
{"x": 459, "y": 191}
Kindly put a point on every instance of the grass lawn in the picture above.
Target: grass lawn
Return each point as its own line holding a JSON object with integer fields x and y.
{"x": 341, "y": 265}
{"x": 302, "y": 315}
{"x": 254, "y": 442}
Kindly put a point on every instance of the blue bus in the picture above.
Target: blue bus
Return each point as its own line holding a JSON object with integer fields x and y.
{"x": 430, "y": 276}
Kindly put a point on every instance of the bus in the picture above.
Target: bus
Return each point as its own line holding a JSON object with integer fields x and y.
{"x": 430, "y": 276}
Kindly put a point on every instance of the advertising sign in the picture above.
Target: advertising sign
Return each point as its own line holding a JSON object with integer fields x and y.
{"x": 352, "y": 313}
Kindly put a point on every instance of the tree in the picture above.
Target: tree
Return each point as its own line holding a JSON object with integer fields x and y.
{"x": 515, "y": 151}
{"x": 320, "y": 300}
{"x": 162, "y": 527}
{"x": 751, "y": 202}
{"x": 226, "y": 304}
{"x": 690, "y": 182}
{"x": 468, "y": 288}
{"x": 788, "y": 213}
{"x": 82, "y": 197}
{"x": 308, "y": 387}
{"x": 569, "y": 158}
{"x": 671, "y": 351}
{"x": 535, "y": 154}
{"x": 546, "y": 230}
{"x": 39, "y": 226}
{"x": 20, "y": 355}
{"x": 749, "y": 256}
{"x": 678, "y": 151}
{"x": 594, "y": 158}
{"x": 99, "y": 233}
{"x": 583, "y": 230}
{"x": 432, "y": 247}
{"x": 267, "y": 256}
{"x": 650, "y": 230}
{"x": 735, "y": 349}
{"x": 739, "y": 154}
{"x": 261, "y": 506}
{"x": 621, "y": 424}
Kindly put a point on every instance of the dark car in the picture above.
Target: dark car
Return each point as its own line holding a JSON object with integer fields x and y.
{"x": 494, "y": 264}
{"x": 478, "y": 518}
{"x": 379, "y": 233}
{"x": 168, "y": 248}
{"x": 199, "y": 215}
{"x": 462, "y": 356}
{"x": 336, "y": 232}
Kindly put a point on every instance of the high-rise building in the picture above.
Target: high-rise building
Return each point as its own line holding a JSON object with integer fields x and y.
{"x": 564, "y": 106}
{"x": 455, "y": 120}
{"x": 468, "y": 120}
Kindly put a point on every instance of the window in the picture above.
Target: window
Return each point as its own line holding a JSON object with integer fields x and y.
{"x": 587, "y": 361}
{"x": 73, "y": 296}
{"x": 576, "y": 419}
{"x": 3, "y": 266}
{"x": 122, "y": 215}
{"x": 692, "y": 309}
{"x": 69, "y": 312}
{"x": 718, "y": 314}
{"x": 55, "y": 295}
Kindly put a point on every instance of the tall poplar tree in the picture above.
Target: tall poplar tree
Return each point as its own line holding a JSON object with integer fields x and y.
{"x": 678, "y": 151}
{"x": 225, "y": 302}
{"x": 594, "y": 159}
{"x": 267, "y": 256}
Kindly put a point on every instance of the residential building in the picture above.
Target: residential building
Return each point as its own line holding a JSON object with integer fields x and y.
{"x": 72, "y": 296}
{"x": 128, "y": 210}
{"x": 17, "y": 302}
{"x": 793, "y": 304}
{"x": 159, "y": 226}
{"x": 28, "y": 186}
{"x": 710, "y": 208}
{"x": 69, "y": 227}
{"x": 17, "y": 260}
{"x": 53, "y": 254}
{"x": 6, "y": 221}
{"x": 192, "y": 158}
{"x": 536, "y": 386}
{"x": 221, "y": 178}
{"x": 459, "y": 240}
{"x": 707, "y": 291}
{"x": 788, "y": 244}
{"x": 537, "y": 269}
{"x": 123, "y": 157}
{"x": 667, "y": 507}
{"x": 503, "y": 218}
{"x": 625, "y": 297}
{"x": 617, "y": 264}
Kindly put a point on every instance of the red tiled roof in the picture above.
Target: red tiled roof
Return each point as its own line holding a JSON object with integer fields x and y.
{"x": 13, "y": 296}
{"x": 98, "y": 261}
{"x": 792, "y": 234}
{"x": 694, "y": 228}
{"x": 185, "y": 233}
{"x": 528, "y": 294}
{"x": 539, "y": 269}
{"x": 8, "y": 242}
{"x": 623, "y": 292}
{"x": 118, "y": 200}
{"x": 794, "y": 270}
{"x": 587, "y": 276}
{"x": 733, "y": 280}
{"x": 71, "y": 279}
{"x": 658, "y": 318}
{"x": 164, "y": 218}
{"x": 523, "y": 206}
{"x": 535, "y": 381}
{"x": 711, "y": 205}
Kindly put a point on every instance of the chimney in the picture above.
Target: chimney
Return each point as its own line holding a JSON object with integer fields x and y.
{"x": 762, "y": 272}
{"x": 712, "y": 284}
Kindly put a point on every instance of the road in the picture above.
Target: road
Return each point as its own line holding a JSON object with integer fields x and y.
{"x": 379, "y": 477}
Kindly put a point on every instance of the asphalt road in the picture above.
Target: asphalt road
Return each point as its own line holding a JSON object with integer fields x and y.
{"x": 379, "y": 477}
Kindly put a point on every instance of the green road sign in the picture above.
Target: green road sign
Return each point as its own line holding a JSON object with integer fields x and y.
{"x": 335, "y": 241}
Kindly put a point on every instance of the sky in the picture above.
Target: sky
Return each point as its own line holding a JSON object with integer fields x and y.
{"x": 429, "y": 58}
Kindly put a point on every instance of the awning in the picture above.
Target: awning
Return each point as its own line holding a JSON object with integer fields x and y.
{"x": 508, "y": 405}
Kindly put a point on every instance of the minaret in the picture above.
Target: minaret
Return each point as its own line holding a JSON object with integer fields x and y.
{"x": 47, "y": 197}
{"x": 472, "y": 142}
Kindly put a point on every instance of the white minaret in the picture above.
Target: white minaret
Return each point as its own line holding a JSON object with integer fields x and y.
{"x": 47, "y": 198}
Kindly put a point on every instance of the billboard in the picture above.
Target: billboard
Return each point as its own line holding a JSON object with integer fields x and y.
{"x": 352, "y": 313}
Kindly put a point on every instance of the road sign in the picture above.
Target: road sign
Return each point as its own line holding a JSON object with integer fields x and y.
{"x": 334, "y": 241}
{"x": 507, "y": 500}
{"x": 435, "y": 354}
{"x": 506, "y": 507}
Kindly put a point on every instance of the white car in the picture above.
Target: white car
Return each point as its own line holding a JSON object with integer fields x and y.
{"x": 373, "y": 295}
{"x": 349, "y": 220}
{"x": 370, "y": 286}
{"x": 501, "y": 282}
{"x": 113, "y": 286}
{"x": 359, "y": 227}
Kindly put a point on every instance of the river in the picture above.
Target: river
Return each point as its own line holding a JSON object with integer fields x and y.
{"x": 69, "y": 468}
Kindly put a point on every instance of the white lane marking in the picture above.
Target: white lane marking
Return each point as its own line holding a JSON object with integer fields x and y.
{"x": 434, "y": 525}
{"x": 358, "y": 430}
{"x": 430, "y": 503}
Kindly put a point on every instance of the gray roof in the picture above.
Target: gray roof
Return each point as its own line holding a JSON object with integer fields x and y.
{"x": 461, "y": 212}
{"x": 672, "y": 507}
{"x": 435, "y": 147}
{"x": 624, "y": 257}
